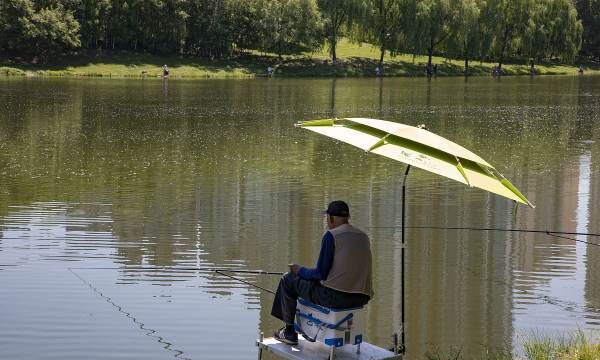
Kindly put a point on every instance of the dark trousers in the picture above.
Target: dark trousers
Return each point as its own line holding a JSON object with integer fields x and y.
{"x": 291, "y": 287}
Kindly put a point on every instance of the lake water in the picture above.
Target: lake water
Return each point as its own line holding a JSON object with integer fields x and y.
{"x": 113, "y": 191}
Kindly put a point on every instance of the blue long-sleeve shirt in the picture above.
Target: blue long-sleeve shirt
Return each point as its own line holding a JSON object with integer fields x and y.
{"x": 324, "y": 263}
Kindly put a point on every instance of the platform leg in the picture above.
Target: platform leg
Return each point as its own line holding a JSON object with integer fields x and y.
{"x": 259, "y": 344}
{"x": 358, "y": 348}
{"x": 331, "y": 352}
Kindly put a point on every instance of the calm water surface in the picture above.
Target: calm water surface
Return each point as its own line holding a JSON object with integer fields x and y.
{"x": 111, "y": 190}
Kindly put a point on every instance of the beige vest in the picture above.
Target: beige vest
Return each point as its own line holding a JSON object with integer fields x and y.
{"x": 351, "y": 268}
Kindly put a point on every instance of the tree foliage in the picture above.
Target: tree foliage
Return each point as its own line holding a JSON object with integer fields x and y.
{"x": 289, "y": 26}
{"x": 552, "y": 30}
{"x": 500, "y": 30}
{"x": 43, "y": 31}
{"x": 466, "y": 30}
{"x": 589, "y": 13}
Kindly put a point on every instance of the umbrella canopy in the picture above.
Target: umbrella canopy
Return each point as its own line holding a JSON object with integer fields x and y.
{"x": 420, "y": 148}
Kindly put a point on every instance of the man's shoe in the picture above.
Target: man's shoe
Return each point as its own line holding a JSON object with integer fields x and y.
{"x": 286, "y": 337}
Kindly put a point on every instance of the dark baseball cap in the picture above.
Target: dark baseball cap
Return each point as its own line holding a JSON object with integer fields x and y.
{"x": 337, "y": 208}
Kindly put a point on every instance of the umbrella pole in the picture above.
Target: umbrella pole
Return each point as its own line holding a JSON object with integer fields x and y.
{"x": 403, "y": 343}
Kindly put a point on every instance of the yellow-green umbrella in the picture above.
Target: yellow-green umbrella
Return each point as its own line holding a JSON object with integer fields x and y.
{"x": 417, "y": 147}
{"x": 420, "y": 148}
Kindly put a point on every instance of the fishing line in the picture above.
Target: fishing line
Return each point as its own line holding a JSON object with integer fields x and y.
{"x": 150, "y": 332}
{"x": 572, "y": 239}
{"x": 558, "y": 234}
{"x": 546, "y": 232}
{"x": 564, "y": 305}
{"x": 486, "y": 229}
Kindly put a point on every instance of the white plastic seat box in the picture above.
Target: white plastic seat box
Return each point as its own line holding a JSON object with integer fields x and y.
{"x": 333, "y": 327}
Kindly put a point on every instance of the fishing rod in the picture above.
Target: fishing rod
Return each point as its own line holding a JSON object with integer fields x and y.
{"x": 239, "y": 271}
{"x": 245, "y": 282}
{"x": 218, "y": 271}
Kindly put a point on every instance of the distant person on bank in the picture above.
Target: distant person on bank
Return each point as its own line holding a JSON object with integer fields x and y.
{"x": 165, "y": 70}
{"x": 341, "y": 279}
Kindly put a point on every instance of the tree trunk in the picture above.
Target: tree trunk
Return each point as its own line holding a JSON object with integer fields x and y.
{"x": 430, "y": 53}
{"x": 333, "y": 54}
{"x": 333, "y": 46}
{"x": 382, "y": 35}
{"x": 505, "y": 38}
{"x": 466, "y": 65}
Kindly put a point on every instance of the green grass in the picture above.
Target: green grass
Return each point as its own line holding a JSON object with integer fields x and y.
{"x": 574, "y": 347}
{"x": 354, "y": 61}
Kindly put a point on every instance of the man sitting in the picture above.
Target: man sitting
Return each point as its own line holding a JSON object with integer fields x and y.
{"x": 341, "y": 279}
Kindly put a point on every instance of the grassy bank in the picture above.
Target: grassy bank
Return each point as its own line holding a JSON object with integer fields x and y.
{"x": 574, "y": 347}
{"x": 355, "y": 61}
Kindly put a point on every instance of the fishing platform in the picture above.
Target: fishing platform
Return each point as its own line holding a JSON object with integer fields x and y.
{"x": 326, "y": 333}
{"x": 306, "y": 350}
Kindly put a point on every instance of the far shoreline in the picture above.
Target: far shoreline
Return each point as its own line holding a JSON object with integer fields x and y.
{"x": 248, "y": 66}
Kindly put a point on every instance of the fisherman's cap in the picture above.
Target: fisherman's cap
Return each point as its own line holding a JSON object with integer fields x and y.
{"x": 337, "y": 208}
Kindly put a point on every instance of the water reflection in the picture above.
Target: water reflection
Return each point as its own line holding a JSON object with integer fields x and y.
{"x": 121, "y": 175}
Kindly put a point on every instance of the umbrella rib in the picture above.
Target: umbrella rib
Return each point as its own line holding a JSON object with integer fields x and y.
{"x": 379, "y": 143}
{"x": 461, "y": 170}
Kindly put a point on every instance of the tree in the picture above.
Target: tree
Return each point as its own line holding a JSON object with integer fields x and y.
{"x": 466, "y": 30}
{"x": 92, "y": 16}
{"x": 488, "y": 27}
{"x": 44, "y": 32}
{"x": 408, "y": 37}
{"x": 552, "y": 30}
{"x": 15, "y": 17}
{"x": 536, "y": 33}
{"x": 211, "y": 27}
{"x": 380, "y": 26}
{"x": 589, "y": 13}
{"x": 54, "y": 30}
{"x": 338, "y": 15}
{"x": 510, "y": 18}
{"x": 565, "y": 31}
{"x": 289, "y": 26}
{"x": 432, "y": 24}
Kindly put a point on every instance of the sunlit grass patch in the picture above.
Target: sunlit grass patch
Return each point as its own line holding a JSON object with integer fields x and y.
{"x": 10, "y": 71}
{"x": 575, "y": 347}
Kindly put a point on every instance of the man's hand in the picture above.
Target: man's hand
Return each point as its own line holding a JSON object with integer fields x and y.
{"x": 294, "y": 268}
